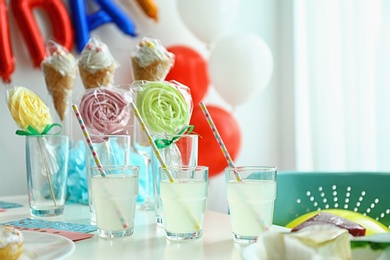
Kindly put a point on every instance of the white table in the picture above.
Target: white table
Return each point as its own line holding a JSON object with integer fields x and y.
{"x": 148, "y": 240}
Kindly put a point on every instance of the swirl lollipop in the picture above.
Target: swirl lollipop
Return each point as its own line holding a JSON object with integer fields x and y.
{"x": 33, "y": 117}
{"x": 28, "y": 110}
{"x": 166, "y": 107}
{"x": 105, "y": 111}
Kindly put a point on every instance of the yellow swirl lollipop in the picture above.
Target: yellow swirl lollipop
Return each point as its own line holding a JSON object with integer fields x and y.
{"x": 165, "y": 106}
{"x": 27, "y": 109}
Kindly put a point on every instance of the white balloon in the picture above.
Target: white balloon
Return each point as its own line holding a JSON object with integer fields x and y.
{"x": 240, "y": 67}
{"x": 207, "y": 19}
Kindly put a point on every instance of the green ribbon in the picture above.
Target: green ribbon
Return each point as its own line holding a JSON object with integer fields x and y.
{"x": 163, "y": 143}
{"x": 32, "y": 131}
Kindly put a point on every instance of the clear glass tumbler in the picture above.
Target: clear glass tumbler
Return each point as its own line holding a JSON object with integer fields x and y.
{"x": 183, "y": 200}
{"x": 179, "y": 150}
{"x": 112, "y": 150}
{"x": 251, "y": 193}
{"x": 114, "y": 198}
{"x": 47, "y": 173}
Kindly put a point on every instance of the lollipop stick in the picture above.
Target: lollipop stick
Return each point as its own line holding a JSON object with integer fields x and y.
{"x": 151, "y": 142}
{"x": 158, "y": 154}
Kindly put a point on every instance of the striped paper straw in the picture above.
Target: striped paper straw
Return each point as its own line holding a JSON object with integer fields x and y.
{"x": 88, "y": 139}
{"x": 219, "y": 139}
{"x": 227, "y": 155}
{"x": 96, "y": 158}
{"x": 151, "y": 142}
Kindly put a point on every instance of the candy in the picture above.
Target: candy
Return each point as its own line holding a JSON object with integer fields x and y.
{"x": 27, "y": 109}
{"x": 96, "y": 64}
{"x": 105, "y": 111}
{"x": 150, "y": 60}
{"x": 164, "y": 108}
{"x": 59, "y": 69}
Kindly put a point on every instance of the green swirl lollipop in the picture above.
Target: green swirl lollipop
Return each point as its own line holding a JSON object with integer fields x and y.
{"x": 163, "y": 107}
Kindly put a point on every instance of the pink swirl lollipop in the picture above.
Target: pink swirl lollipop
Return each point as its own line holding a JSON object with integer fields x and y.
{"x": 105, "y": 111}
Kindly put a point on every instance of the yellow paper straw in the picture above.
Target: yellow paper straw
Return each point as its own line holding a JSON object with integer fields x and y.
{"x": 219, "y": 139}
{"x": 95, "y": 157}
{"x": 151, "y": 142}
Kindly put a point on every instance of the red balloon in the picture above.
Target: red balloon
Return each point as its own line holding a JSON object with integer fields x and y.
{"x": 190, "y": 69}
{"x": 210, "y": 153}
{"x": 7, "y": 60}
{"x": 60, "y": 21}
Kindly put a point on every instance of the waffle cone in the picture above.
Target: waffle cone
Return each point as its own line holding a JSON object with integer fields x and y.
{"x": 93, "y": 79}
{"x": 156, "y": 71}
{"x": 59, "y": 86}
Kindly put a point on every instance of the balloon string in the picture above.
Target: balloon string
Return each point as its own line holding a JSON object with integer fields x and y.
{"x": 163, "y": 143}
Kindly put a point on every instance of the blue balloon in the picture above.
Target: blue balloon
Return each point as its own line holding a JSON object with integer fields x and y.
{"x": 84, "y": 23}
{"x": 97, "y": 19}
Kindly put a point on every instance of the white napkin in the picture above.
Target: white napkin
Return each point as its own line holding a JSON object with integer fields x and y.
{"x": 316, "y": 242}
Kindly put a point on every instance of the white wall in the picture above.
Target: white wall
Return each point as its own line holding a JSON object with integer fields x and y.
{"x": 266, "y": 121}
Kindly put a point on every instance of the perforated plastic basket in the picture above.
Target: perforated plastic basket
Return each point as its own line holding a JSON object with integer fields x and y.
{"x": 301, "y": 192}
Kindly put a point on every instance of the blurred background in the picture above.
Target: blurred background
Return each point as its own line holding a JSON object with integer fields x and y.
{"x": 300, "y": 85}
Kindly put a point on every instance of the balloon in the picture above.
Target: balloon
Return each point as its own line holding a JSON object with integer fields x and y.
{"x": 189, "y": 69}
{"x": 7, "y": 60}
{"x": 109, "y": 12}
{"x": 207, "y": 19}
{"x": 240, "y": 67}
{"x": 60, "y": 21}
{"x": 150, "y": 8}
{"x": 210, "y": 153}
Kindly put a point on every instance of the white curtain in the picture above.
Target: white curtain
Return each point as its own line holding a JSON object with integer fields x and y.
{"x": 342, "y": 82}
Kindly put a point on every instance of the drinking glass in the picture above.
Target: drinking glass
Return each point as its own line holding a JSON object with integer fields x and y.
{"x": 47, "y": 173}
{"x": 180, "y": 150}
{"x": 143, "y": 148}
{"x": 183, "y": 201}
{"x": 251, "y": 192}
{"x": 112, "y": 150}
{"x": 114, "y": 198}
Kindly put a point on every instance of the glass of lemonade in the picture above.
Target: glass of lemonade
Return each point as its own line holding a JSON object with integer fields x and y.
{"x": 184, "y": 201}
{"x": 180, "y": 150}
{"x": 113, "y": 150}
{"x": 114, "y": 197}
{"x": 251, "y": 192}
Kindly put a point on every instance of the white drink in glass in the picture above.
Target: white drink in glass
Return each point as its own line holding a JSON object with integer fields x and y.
{"x": 183, "y": 204}
{"x": 251, "y": 205}
{"x": 114, "y": 197}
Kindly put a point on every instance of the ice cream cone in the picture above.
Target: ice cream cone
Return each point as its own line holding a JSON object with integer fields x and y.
{"x": 150, "y": 60}
{"x": 59, "y": 86}
{"x": 156, "y": 71}
{"x": 98, "y": 77}
{"x": 96, "y": 64}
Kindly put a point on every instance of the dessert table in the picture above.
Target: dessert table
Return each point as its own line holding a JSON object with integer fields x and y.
{"x": 148, "y": 240}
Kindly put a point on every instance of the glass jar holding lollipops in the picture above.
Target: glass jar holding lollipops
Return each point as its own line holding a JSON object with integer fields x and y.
{"x": 166, "y": 108}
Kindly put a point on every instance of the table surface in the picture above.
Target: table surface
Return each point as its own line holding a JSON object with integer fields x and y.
{"x": 148, "y": 240}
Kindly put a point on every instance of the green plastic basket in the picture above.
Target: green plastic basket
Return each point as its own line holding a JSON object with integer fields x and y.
{"x": 299, "y": 193}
